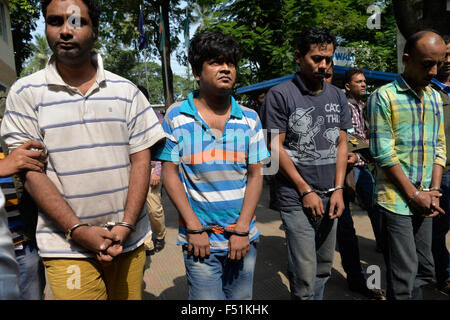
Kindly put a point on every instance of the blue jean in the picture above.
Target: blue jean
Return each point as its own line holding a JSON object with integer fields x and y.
{"x": 346, "y": 233}
{"x": 406, "y": 242}
{"x": 440, "y": 229}
{"x": 31, "y": 272}
{"x": 218, "y": 278}
{"x": 310, "y": 249}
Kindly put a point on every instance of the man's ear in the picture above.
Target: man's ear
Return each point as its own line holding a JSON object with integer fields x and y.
{"x": 405, "y": 58}
{"x": 298, "y": 56}
{"x": 196, "y": 75}
{"x": 347, "y": 87}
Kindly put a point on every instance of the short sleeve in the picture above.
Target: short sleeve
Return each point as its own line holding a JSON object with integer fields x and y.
{"x": 273, "y": 111}
{"x": 346, "y": 116}
{"x": 144, "y": 127}
{"x": 20, "y": 121}
{"x": 169, "y": 151}
{"x": 257, "y": 149}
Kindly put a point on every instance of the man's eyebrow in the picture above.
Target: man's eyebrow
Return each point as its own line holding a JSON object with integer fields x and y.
{"x": 53, "y": 16}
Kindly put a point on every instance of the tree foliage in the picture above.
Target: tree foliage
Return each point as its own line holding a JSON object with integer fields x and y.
{"x": 119, "y": 30}
{"x": 40, "y": 54}
{"x": 24, "y": 14}
{"x": 147, "y": 74}
{"x": 267, "y": 31}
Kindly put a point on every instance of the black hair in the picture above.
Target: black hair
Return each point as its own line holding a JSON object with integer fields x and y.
{"x": 350, "y": 73}
{"x": 93, "y": 8}
{"x": 210, "y": 45}
{"x": 415, "y": 37}
{"x": 143, "y": 90}
{"x": 314, "y": 36}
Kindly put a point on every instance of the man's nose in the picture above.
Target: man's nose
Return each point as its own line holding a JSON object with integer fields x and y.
{"x": 433, "y": 71}
{"x": 66, "y": 31}
{"x": 323, "y": 64}
{"x": 225, "y": 67}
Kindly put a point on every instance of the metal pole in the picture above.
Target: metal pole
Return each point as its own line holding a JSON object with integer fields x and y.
{"x": 146, "y": 73}
{"x": 164, "y": 61}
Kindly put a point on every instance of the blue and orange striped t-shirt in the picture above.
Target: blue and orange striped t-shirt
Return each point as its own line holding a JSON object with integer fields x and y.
{"x": 213, "y": 168}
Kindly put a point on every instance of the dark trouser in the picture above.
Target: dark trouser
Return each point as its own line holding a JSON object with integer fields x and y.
{"x": 406, "y": 242}
{"x": 440, "y": 229}
{"x": 310, "y": 245}
{"x": 349, "y": 248}
{"x": 346, "y": 235}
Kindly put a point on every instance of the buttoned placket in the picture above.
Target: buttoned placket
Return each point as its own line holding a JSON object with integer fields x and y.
{"x": 423, "y": 117}
{"x": 86, "y": 111}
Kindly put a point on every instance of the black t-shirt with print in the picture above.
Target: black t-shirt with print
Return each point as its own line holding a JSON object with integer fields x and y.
{"x": 312, "y": 123}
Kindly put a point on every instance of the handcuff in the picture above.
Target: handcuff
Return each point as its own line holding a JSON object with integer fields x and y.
{"x": 322, "y": 191}
{"x": 424, "y": 190}
{"x": 108, "y": 226}
{"x": 209, "y": 228}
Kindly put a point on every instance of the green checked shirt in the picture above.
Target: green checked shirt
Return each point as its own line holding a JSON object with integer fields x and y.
{"x": 405, "y": 132}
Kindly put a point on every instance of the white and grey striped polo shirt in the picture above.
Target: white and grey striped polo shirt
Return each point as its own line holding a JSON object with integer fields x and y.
{"x": 89, "y": 139}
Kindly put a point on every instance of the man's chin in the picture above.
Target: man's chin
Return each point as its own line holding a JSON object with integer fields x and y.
{"x": 71, "y": 57}
{"x": 67, "y": 54}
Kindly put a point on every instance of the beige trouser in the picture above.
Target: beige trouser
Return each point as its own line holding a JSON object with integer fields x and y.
{"x": 156, "y": 212}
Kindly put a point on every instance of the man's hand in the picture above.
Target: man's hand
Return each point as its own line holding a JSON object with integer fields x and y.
{"x": 154, "y": 180}
{"x": 313, "y": 204}
{"x": 95, "y": 239}
{"x": 435, "y": 207}
{"x": 352, "y": 158}
{"x": 336, "y": 204}
{"x": 198, "y": 244}
{"x": 238, "y": 247}
{"x": 114, "y": 248}
{"x": 427, "y": 202}
{"x": 24, "y": 159}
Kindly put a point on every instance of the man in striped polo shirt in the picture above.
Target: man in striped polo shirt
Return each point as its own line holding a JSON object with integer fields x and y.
{"x": 97, "y": 129}
{"x": 407, "y": 141}
{"x": 212, "y": 173}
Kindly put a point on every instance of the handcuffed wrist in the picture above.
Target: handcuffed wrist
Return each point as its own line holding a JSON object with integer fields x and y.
{"x": 71, "y": 230}
{"x": 307, "y": 192}
{"x": 414, "y": 196}
{"x": 110, "y": 225}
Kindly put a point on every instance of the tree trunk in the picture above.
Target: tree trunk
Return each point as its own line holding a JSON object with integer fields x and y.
{"x": 165, "y": 57}
{"x": 410, "y": 19}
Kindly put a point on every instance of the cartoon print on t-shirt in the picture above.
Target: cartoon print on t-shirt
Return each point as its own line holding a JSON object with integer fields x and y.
{"x": 332, "y": 135}
{"x": 300, "y": 123}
